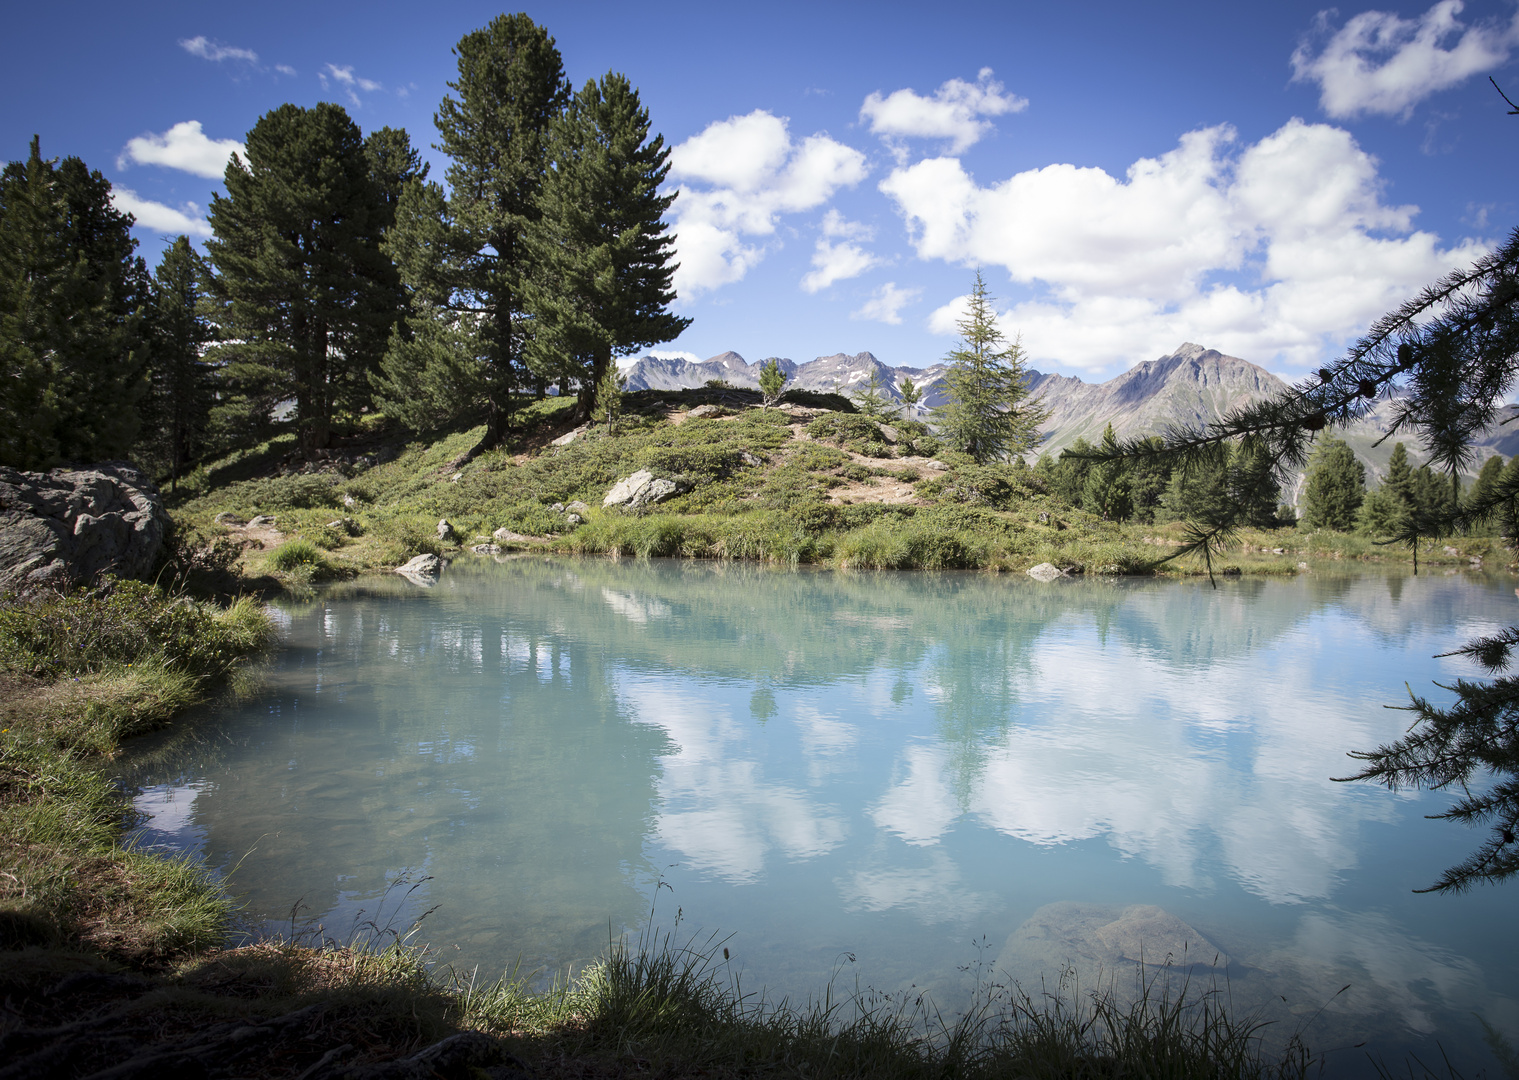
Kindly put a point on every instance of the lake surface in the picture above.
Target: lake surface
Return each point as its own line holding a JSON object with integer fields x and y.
{"x": 891, "y": 777}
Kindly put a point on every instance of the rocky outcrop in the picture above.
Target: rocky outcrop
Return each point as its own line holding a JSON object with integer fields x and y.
{"x": 642, "y": 489}
{"x": 71, "y": 525}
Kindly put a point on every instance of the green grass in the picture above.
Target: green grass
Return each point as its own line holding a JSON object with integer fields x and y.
{"x": 80, "y": 672}
{"x": 678, "y": 1006}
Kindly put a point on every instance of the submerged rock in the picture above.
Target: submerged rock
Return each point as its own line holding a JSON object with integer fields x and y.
{"x": 1105, "y": 945}
{"x": 423, "y": 570}
{"x": 69, "y": 525}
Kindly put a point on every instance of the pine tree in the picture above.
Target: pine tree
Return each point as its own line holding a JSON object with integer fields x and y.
{"x": 71, "y": 290}
{"x": 987, "y": 412}
{"x": 181, "y": 383}
{"x": 1336, "y": 486}
{"x": 304, "y": 295}
{"x": 772, "y": 380}
{"x": 510, "y": 88}
{"x": 600, "y": 286}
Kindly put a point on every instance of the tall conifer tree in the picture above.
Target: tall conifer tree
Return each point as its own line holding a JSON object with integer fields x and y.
{"x": 988, "y": 413}
{"x": 181, "y": 383}
{"x": 601, "y": 286}
{"x": 305, "y": 295}
{"x": 511, "y": 86}
{"x": 70, "y": 296}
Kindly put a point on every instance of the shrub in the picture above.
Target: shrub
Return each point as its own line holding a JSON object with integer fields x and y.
{"x": 298, "y": 492}
{"x": 293, "y": 555}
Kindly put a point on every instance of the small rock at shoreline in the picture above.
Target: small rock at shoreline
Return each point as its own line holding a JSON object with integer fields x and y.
{"x": 1045, "y": 572}
{"x": 423, "y": 570}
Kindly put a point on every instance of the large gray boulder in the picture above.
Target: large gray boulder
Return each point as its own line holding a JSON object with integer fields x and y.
{"x": 642, "y": 489}
{"x": 70, "y": 525}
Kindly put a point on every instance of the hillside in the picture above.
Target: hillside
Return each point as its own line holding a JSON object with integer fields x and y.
{"x": 1189, "y": 387}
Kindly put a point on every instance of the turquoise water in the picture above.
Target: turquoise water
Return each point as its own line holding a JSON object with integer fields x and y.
{"x": 887, "y": 778}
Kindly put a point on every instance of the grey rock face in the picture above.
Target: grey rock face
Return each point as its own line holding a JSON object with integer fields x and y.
{"x": 577, "y": 507}
{"x": 67, "y": 526}
{"x": 445, "y": 530}
{"x": 642, "y": 489}
{"x": 423, "y": 570}
{"x": 703, "y": 411}
{"x": 1045, "y": 572}
{"x": 507, "y": 536}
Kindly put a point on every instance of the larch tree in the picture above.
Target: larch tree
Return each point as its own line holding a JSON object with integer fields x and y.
{"x": 304, "y": 296}
{"x": 988, "y": 412}
{"x": 601, "y": 253}
{"x": 71, "y": 290}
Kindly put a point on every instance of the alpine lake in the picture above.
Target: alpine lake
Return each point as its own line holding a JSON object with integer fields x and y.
{"x": 907, "y": 782}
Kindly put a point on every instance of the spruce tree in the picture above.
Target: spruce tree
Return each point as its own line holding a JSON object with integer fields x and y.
{"x": 1487, "y": 480}
{"x": 1336, "y": 486}
{"x": 181, "y": 383}
{"x": 71, "y": 292}
{"x": 601, "y": 281}
{"x": 510, "y": 88}
{"x": 304, "y": 295}
{"x": 987, "y": 411}
{"x": 1106, "y": 490}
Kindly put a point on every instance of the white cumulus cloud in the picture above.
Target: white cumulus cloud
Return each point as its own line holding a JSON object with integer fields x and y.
{"x": 955, "y": 113}
{"x": 158, "y": 217}
{"x": 737, "y": 177}
{"x": 836, "y": 256}
{"x": 886, "y": 304}
{"x": 1381, "y": 63}
{"x": 185, "y": 147}
{"x": 209, "y": 50}
{"x": 1274, "y": 251}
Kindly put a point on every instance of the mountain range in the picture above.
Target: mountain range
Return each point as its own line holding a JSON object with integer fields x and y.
{"x": 1189, "y": 386}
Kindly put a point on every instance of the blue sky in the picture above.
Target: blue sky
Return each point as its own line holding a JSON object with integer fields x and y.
{"x": 1263, "y": 179}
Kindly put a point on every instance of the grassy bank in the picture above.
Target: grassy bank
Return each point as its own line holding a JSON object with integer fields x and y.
{"x": 80, "y": 673}
{"x": 786, "y": 485}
